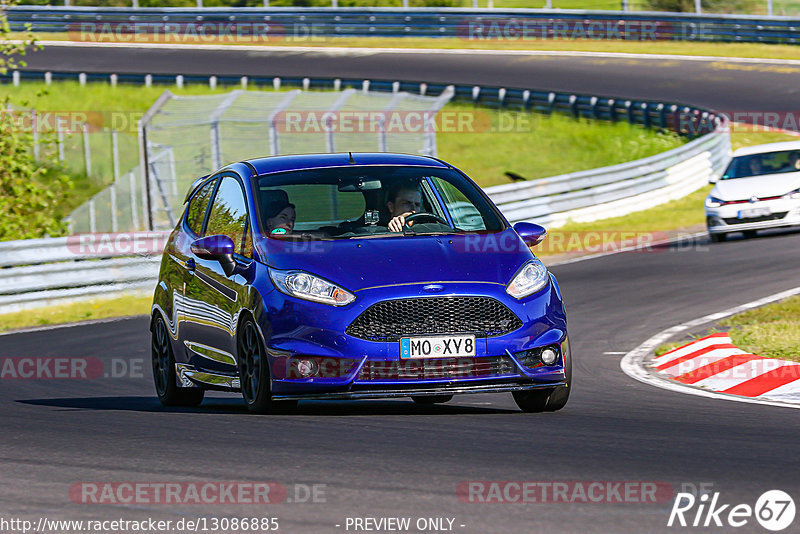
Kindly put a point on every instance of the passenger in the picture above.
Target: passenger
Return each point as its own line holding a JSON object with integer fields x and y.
{"x": 280, "y": 218}
{"x": 755, "y": 166}
{"x": 794, "y": 162}
{"x": 403, "y": 200}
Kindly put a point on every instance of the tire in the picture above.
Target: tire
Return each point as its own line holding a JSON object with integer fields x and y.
{"x": 749, "y": 234}
{"x": 254, "y": 378}
{"x": 165, "y": 378}
{"x": 428, "y": 400}
{"x": 550, "y": 399}
{"x": 717, "y": 238}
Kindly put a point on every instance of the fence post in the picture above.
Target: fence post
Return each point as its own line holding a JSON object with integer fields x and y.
{"x": 134, "y": 214}
{"x": 92, "y": 216}
{"x": 87, "y": 151}
{"x": 698, "y": 6}
{"x": 35, "y": 132}
{"x": 769, "y": 7}
{"x": 266, "y": 3}
{"x": 60, "y": 138}
{"x": 112, "y": 191}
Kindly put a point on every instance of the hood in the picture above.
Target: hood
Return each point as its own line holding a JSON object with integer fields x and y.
{"x": 357, "y": 264}
{"x": 768, "y": 185}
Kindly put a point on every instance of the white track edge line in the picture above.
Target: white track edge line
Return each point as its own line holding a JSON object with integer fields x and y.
{"x": 632, "y": 364}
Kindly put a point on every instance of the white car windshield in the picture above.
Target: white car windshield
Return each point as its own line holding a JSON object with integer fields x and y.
{"x": 764, "y": 163}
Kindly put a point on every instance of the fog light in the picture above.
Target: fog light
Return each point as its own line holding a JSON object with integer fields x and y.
{"x": 306, "y": 368}
{"x": 549, "y": 356}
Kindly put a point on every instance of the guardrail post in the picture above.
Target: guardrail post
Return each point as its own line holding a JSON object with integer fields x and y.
{"x": 365, "y": 86}
{"x": 15, "y": 78}
{"x": 113, "y": 79}
{"x": 87, "y": 151}
{"x": 148, "y": 80}
{"x": 395, "y": 87}
{"x": 551, "y": 102}
{"x": 662, "y": 115}
{"x": 276, "y": 83}
{"x": 646, "y": 114}
{"x": 612, "y": 109}
{"x": 593, "y": 104}
{"x": 244, "y": 82}
{"x": 573, "y": 104}
{"x": 212, "y": 82}
{"x": 501, "y": 96}
{"x": 82, "y": 78}
{"x": 476, "y": 93}
{"x": 526, "y": 99}
{"x": 179, "y": 81}
{"x": 48, "y": 78}
{"x": 306, "y": 84}
{"x": 423, "y": 88}
{"x": 629, "y": 110}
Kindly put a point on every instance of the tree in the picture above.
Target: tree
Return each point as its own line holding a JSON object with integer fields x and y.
{"x": 29, "y": 189}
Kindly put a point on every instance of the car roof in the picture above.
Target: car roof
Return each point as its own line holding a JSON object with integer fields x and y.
{"x": 295, "y": 162}
{"x": 769, "y": 147}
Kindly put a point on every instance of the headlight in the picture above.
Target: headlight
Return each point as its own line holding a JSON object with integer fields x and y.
{"x": 306, "y": 286}
{"x": 531, "y": 278}
{"x": 793, "y": 194}
{"x": 714, "y": 202}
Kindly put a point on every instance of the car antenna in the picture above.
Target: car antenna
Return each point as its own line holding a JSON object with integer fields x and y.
{"x": 351, "y": 157}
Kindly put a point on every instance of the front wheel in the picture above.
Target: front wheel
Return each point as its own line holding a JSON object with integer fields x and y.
{"x": 432, "y": 399}
{"x": 254, "y": 378}
{"x": 717, "y": 238}
{"x": 549, "y": 399}
{"x": 164, "y": 375}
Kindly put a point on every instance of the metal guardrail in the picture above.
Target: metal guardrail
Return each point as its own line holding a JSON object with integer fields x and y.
{"x": 299, "y": 25}
{"x": 38, "y": 272}
{"x": 616, "y": 190}
{"x": 42, "y": 271}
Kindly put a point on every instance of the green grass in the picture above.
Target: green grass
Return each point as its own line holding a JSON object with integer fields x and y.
{"x": 78, "y": 311}
{"x": 536, "y": 146}
{"x": 686, "y": 48}
{"x": 558, "y": 144}
{"x": 772, "y": 331}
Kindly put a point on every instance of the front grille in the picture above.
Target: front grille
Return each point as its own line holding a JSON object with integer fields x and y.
{"x": 772, "y": 217}
{"x": 437, "y": 368}
{"x": 392, "y": 319}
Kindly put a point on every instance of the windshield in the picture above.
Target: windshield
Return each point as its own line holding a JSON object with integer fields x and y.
{"x": 761, "y": 164}
{"x": 361, "y": 202}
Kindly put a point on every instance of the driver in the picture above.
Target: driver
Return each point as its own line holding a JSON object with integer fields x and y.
{"x": 280, "y": 218}
{"x": 402, "y": 202}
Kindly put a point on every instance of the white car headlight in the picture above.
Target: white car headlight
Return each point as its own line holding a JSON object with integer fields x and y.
{"x": 530, "y": 278}
{"x": 792, "y": 194}
{"x": 306, "y": 286}
{"x": 713, "y": 202}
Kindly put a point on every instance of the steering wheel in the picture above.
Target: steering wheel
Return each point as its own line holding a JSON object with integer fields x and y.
{"x": 424, "y": 217}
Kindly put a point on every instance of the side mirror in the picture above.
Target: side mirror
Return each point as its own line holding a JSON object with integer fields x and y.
{"x": 532, "y": 234}
{"x": 219, "y": 248}
{"x": 714, "y": 179}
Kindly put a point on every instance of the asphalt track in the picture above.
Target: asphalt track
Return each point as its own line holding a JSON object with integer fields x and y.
{"x": 393, "y": 458}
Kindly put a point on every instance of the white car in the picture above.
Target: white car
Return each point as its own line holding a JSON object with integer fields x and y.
{"x": 759, "y": 189}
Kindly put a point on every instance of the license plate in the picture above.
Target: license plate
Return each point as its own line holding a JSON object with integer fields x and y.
{"x": 754, "y": 212}
{"x": 437, "y": 347}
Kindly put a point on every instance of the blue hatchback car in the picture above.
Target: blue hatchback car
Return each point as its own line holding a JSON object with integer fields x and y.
{"x": 354, "y": 276}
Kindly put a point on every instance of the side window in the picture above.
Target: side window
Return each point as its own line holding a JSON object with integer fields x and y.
{"x": 196, "y": 211}
{"x": 247, "y": 244}
{"x": 464, "y": 213}
{"x": 228, "y": 212}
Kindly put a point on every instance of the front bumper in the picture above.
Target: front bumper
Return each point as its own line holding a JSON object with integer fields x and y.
{"x": 726, "y": 219}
